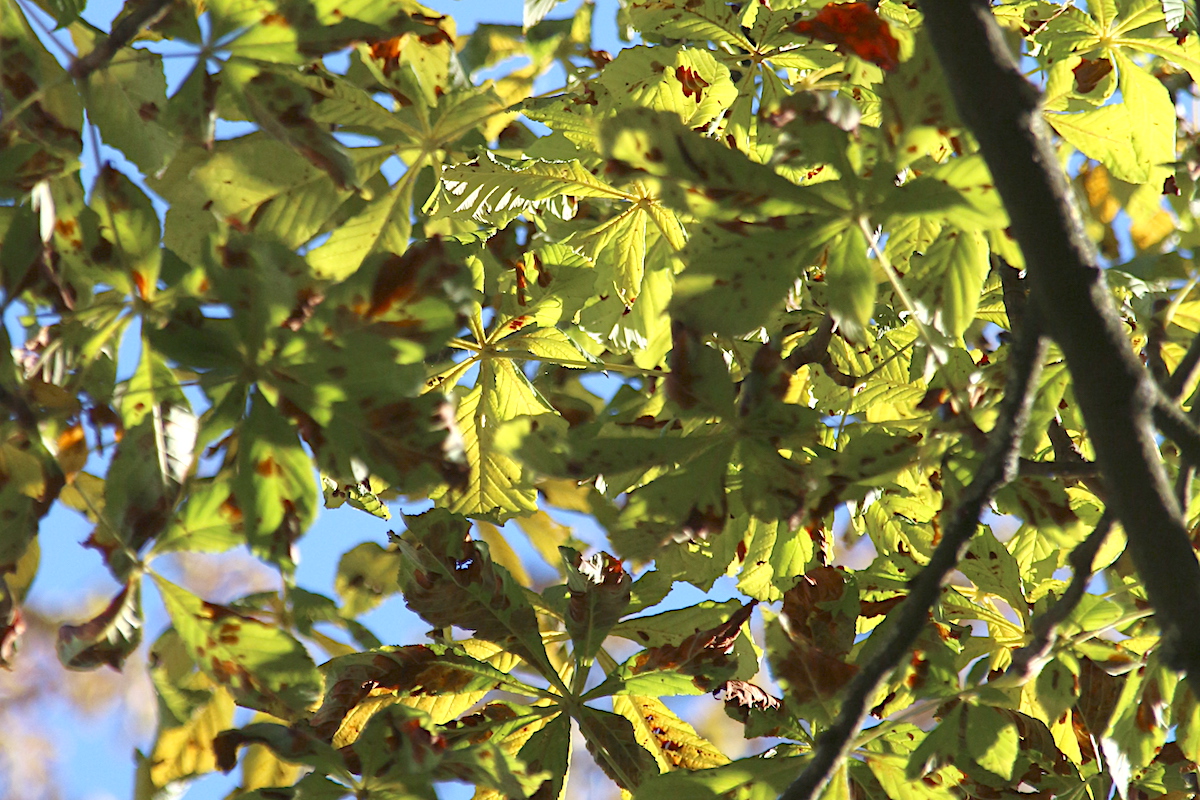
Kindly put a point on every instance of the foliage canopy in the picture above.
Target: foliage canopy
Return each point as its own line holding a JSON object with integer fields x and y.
{"x": 767, "y": 225}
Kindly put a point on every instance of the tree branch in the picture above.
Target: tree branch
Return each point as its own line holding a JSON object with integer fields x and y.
{"x": 999, "y": 466}
{"x": 1177, "y": 427}
{"x": 142, "y": 15}
{"x": 1115, "y": 393}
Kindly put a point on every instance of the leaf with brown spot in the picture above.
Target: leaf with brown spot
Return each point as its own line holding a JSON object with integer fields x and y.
{"x": 274, "y": 483}
{"x": 673, "y": 742}
{"x": 599, "y": 590}
{"x": 262, "y": 665}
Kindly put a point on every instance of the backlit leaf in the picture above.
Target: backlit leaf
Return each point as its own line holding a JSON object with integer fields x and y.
{"x": 261, "y": 664}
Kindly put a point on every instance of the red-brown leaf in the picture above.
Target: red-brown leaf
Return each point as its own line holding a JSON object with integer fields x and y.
{"x": 856, "y": 30}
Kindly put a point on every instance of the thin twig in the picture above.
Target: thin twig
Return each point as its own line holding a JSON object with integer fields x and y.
{"x": 141, "y": 16}
{"x": 1045, "y": 626}
{"x": 1182, "y": 375}
{"x": 1175, "y": 425}
{"x": 999, "y": 466}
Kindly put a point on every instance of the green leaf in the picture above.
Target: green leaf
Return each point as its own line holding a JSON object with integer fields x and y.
{"x": 710, "y": 20}
{"x": 850, "y": 284}
{"x": 366, "y": 575}
{"x": 274, "y": 484}
{"x": 754, "y": 778}
{"x": 492, "y": 190}
{"x": 611, "y": 740}
{"x": 129, "y": 232}
{"x": 946, "y": 282}
{"x": 992, "y": 740}
{"x": 497, "y": 486}
{"x": 127, "y": 101}
{"x": 108, "y": 638}
{"x": 260, "y": 663}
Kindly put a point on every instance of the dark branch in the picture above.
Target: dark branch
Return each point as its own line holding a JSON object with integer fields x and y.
{"x": 1059, "y": 469}
{"x": 1183, "y": 373}
{"x": 1044, "y": 627}
{"x": 1176, "y": 426}
{"x": 815, "y": 349}
{"x": 1115, "y": 392}
{"x": 902, "y": 628}
{"x": 142, "y": 15}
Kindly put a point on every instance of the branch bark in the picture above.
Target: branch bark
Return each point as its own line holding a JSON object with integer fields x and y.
{"x": 1114, "y": 391}
{"x": 142, "y": 15}
{"x": 999, "y": 466}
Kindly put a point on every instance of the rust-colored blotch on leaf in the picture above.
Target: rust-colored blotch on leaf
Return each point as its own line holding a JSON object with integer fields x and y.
{"x": 856, "y": 30}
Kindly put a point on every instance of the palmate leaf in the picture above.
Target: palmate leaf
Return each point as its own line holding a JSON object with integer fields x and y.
{"x": 494, "y": 191}
{"x": 549, "y": 749}
{"x": 688, "y": 83}
{"x": 1133, "y": 138}
{"x": 260, "y": 663}
{"x": 449, "y": 579}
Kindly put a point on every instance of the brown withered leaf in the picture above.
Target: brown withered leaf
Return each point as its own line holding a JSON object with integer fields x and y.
{"x": 810, "y": 674}
{"x": 1089, "y": 72}
{"x": 1099, "y": 692}
{"x": 819, "y": 610}
{"x": 747, "y": 695}
{"x": 109, "y": 637}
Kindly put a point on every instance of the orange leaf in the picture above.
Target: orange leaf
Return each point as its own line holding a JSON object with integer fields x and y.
{"x": 856, "y": 30}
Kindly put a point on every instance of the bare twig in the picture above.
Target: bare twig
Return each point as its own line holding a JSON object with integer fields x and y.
{"x": 142, "y": 15}
{"x": 1044, "y": 627}
{"x": 1116, "y": 394}
{"x": 999, "y": 466}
